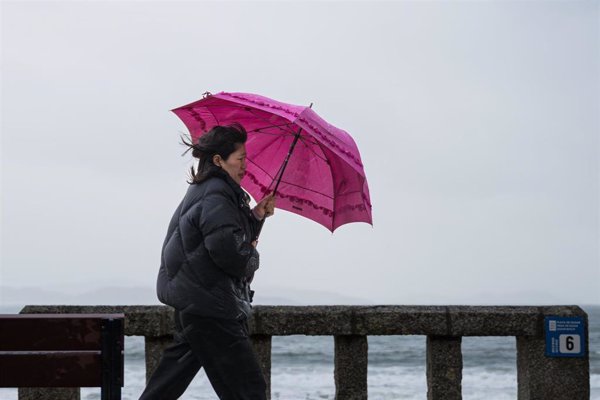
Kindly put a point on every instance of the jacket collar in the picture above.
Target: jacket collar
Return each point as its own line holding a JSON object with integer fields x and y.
{"x": 242, "y": 197}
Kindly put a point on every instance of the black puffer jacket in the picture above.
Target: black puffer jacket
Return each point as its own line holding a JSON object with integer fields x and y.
{"x": 207, "y": 257}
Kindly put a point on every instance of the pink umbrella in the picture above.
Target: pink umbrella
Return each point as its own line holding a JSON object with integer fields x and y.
{"x": 324, "y": 177}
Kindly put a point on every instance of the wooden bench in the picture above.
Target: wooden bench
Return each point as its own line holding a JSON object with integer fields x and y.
{"x": 63, "y": 350}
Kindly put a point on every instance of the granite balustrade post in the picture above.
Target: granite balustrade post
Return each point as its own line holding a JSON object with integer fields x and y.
{"x": 351, "y": 361}
{"x": 154, "y": 347}
{"x": 262, "y": 347}
{"x": 540, "y": 377}
{"x": 444, "y": 368}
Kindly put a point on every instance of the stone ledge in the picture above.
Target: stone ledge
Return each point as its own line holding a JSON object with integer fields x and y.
{"x": 157, "y": 320}
{"x": 139, "y": 320}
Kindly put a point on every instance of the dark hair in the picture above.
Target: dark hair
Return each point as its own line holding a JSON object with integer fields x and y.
{"x": 221, "y": 140}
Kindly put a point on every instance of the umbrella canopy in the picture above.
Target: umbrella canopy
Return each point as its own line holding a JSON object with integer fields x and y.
{"x": 324, "y": 179}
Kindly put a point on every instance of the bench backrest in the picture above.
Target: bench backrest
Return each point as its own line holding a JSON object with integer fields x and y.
{"x": 62, "y": 350}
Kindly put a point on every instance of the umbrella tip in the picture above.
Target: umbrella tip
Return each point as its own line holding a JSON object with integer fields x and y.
{"x": 206, "y": 94}
{"x": 310, "y": 105}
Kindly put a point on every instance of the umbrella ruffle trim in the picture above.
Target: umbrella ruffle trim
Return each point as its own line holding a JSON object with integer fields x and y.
{"x": 262, "y": 103}
{"x": 197, "y": 118}
{"x": 303, "y": 120}
{"x": 302, "y": 201}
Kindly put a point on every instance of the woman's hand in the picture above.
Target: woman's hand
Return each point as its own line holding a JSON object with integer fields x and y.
{"x": 265, "y": 208}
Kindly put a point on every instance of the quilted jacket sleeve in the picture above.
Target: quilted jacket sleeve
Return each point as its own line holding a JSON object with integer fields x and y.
{"x": 226, "y": 242}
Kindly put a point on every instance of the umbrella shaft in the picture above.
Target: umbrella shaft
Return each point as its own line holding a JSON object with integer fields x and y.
{"x": 285, "y": 163}
{"x": 287, "y": 158}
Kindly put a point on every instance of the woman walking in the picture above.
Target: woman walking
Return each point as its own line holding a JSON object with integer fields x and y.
{"x": 208, "y": 260}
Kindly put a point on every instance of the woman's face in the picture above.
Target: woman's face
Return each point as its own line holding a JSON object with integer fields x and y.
{"x": 235, "y": 165}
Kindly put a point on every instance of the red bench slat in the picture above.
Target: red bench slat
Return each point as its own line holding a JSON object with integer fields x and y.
{"x": 29, "y": 332}
{"x": 66, "y": 369}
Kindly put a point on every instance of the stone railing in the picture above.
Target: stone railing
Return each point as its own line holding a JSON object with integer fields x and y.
{"x": 538, "y": 376}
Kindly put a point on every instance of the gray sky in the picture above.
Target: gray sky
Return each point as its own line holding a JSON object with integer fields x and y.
{"x": 477, "y": 122}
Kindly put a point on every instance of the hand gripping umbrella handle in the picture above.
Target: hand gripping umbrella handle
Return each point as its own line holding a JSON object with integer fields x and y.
{"x": 285, "y": 163}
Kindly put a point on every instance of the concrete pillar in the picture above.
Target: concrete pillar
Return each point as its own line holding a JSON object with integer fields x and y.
{"x": 49, "y": 394}
{"x": 154, "y": 348}
{"x": 541, "y": 378}
{"x": 262, "y": 347}
{"x": 350, "y": 373}
{"x": 444, "y": 368}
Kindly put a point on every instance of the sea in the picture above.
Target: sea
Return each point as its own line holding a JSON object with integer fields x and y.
{"x": 302, "y": 368}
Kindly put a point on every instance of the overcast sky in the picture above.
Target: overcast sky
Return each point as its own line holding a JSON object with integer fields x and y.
{"x": 477, "y": 122}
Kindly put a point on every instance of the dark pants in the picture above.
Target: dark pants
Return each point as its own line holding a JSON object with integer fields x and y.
{"x": 222, "y": 347}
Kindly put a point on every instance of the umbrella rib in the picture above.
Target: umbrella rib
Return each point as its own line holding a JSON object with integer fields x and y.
{"x": 215, "y": 117}
{"x": 209, "y": 106}
{"x": 270, "y": 126}
{"x": 251, "y": 111}
{"x": 269, "y": 133}
{"x": 314, "y": 152}
{"x": 212, "y": 113}
{"x": 287, "y": 183}
{"x": 305, "y": 188}
{"x": 262, "y": 169}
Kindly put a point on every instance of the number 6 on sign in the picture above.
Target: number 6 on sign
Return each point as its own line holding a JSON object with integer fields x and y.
{"x": 569, "y": 344}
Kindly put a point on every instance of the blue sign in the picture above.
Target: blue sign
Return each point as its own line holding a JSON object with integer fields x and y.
{"x": 565, "y": 336}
